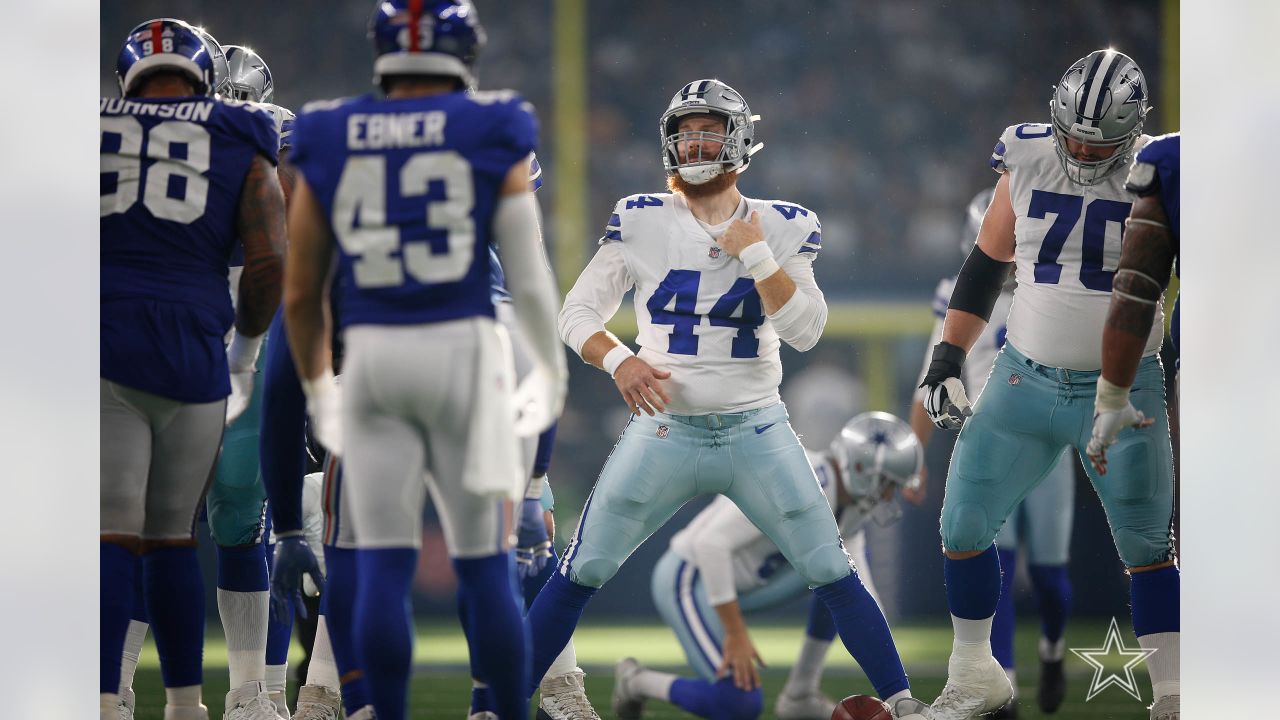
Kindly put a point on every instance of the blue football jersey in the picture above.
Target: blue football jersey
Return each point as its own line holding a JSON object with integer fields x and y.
{"x": 410, "y": 187}
{"x": 171, "y": 174}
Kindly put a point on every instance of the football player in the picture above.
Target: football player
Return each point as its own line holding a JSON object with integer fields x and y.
{"x": 412, "y": 188}
{"x": 1057, "y": 216}
{"x": 722, "y": 562}
{"x": 720, "y": 281}
{"x": 183, "y": 176}
{"x": 1042, "y": 521}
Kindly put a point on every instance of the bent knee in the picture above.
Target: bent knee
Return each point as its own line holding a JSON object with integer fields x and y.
{"x": 1138, "y": 549}
{"x": 735, "y": 704}
{"x": 825, "y": 566}
{"x": 592, "y": 573}
{"x": 966, "y": 527}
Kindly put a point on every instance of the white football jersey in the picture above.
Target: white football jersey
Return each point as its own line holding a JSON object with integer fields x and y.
{"x": 1068, "y": 248}
{"x": 977, "y": 366}
{"x": 698, "y": 314}
{"x": 755, "y": 559}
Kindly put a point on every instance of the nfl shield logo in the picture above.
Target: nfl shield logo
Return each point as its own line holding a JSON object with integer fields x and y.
{"x": 662, "y": 431}
{"x": 1014, "y": 379}
{"x": 713, "y": 253}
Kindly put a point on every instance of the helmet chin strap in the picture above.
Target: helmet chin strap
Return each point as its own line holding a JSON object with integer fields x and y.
{"x": 701, "y": 173}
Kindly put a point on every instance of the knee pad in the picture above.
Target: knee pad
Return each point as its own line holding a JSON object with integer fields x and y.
{"x": 235, "y": 515}
{"x": 1137, "y": 549}
{"x": 735, "y": 704}
{"x": 825, "y": 565}
{"x": 966, "y": 527}
{"x": 593, "y": 573}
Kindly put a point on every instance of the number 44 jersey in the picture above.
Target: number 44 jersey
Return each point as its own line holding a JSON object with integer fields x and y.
{"x": 171, "y": 174}
{"x": 1068, "y": 248}
{"x": 410, "y": 187}
{"x": 697, "y": 310}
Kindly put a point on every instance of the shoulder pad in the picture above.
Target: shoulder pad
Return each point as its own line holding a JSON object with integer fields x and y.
{"x": 1143, "y": 179}
{"x": 1001, "y": 159}
{"x": 801, "y": 225}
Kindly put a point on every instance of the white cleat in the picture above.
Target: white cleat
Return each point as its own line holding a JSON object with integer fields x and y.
{"x": 1167, "y": 708}
{"x": 364, "y": 713}
{"x": 186, "y": 712}
{"x": 911, "y": 709}
{"x": 317, "y": 702}
{"x": 250, "y": 701}
{"x": 282, "y": 705}
{"x": 626, "y": 704}
{"x": 564, "y": 697}
{"x": 975, "y": 686}
{"x": 809, "y": 706}
{"x": 124, "y": 708}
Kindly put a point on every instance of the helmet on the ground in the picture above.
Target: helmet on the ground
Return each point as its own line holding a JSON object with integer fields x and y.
{"x": 1101, "y": 100}
{"x": 708, "y": 97}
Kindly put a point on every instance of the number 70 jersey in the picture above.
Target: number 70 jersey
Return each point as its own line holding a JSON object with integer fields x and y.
{"x": 1068, "y": 248}
{"x": 410, "y": 187}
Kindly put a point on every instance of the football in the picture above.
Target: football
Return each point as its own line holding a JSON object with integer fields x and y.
{"x": 862, "y": 707}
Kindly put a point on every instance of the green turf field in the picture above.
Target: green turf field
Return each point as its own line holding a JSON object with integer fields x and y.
{"x": 441, "y": 686}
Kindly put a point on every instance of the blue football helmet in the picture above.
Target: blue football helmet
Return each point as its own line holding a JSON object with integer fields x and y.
{"x": 249, "y": 78}
{"x": 165, "y": 44}
{"x": 426, "y": 37}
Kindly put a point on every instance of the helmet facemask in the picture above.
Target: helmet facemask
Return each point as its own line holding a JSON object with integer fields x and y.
{"x": 878, "y": 455}
{"x": 712, "y": 98}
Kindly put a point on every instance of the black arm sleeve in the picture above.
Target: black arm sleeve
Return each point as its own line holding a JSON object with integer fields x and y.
{"x": 978, "y": 284}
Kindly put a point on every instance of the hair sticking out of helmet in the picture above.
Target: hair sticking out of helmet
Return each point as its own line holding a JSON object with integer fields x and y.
{"x": 736, "y": 144}
{"x": 1097, "y": 111}
{"x": 165, "y": 45}
{"x": 248, "y": 76}
{"x": 877, "y": 454}
{"x": 426, "y": 37}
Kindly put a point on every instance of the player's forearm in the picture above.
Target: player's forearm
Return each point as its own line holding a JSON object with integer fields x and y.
{"x": 306, "y": 307}
{"x": 1145, "y": 267}
{"x": 531, "y": 284}
{"x": 284, "y": 414}
{"x": 260, "y": 224}
{"x": 775, "y": 291}
{"x": 731, "y": 618}
{"x": 597, "y": 346}
{"x": 799, "y": 319}
{"x": 962, "y": 328}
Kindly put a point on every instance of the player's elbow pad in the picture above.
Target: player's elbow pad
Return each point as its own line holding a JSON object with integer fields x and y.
{"x": 978, "y": 284}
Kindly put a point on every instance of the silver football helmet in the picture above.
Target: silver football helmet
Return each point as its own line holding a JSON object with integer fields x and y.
{"x": 973, "y": 218}
{"x": 221, "y": 71}
{"x": 702, "y": 97}
{"x": 1101, "y": 100}
{"x": 248, "y": 76}
{"x": 877, "y": 454}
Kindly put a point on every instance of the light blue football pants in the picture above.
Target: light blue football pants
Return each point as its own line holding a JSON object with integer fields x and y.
{"x": 1041, "y": 524}
{"x": 1027, "y": 414}
{"x": 237, "y": 499}
{"x": 662, "y": 462}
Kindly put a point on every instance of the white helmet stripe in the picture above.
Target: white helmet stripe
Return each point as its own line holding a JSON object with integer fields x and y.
{"x": 1092, "y": 91}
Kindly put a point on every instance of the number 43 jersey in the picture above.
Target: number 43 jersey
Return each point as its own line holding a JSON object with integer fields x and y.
{"x": 697, "y": 310}
{"x": 1068, "y": 248}
{"x": 410, "y": 187}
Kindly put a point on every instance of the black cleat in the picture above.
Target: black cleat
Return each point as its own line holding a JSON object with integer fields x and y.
{"x": 1053, "y": 686}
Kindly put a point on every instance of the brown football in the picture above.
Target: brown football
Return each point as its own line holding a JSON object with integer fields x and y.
{"x": 862, "y": 707}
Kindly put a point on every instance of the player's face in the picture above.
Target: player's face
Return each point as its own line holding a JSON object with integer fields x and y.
{"x": 1084, "y": 152}
{"x": 699, "y": 147}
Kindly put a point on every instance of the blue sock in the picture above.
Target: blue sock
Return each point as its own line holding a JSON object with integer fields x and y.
{"x": 1053, "y": 595}
{"x": 552, "y": 618}
{"x": 973, "y": 585}
{"x": 865, "y": 633}
{"x": 278, "y": 633}
{"x": 533, "y": 585}
{"x": 384, "y": 626}
{"x": 820, "y": 625}
{"x": 115, "y": 604}
{"x": 1002, "y": 625}
{"x": 337, "y": 604}
{"x": 719, "y": 700}
{"x": 243, "y": 568}
{"x": 481, "y": 698}
{"x": 1156, "y": 604}
{"x": 500, "y": 643}
{"x": 139, "y": 595}
{"x": 175, "y": 604}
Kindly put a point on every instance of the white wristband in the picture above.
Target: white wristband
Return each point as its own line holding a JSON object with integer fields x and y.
{"x": 615, "y": 357}
{"x": 319, "y": 387}
{"x": 242, "y": 353}
{"x": 759, "y": 261}
{"x": 1110, "y": 396}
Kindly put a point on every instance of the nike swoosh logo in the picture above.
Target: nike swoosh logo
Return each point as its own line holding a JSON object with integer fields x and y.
{"x": 762, "y": 428}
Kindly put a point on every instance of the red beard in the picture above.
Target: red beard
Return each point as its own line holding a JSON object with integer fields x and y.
{"x": 715, "y": 185}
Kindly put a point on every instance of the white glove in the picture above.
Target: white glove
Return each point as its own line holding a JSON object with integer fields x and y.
{"x": 242, "y": 357}
{"x": 324, "y": 409}
{"x": 947, "y": 405}
{"x": 1107, "y": 424}
{"x": 539, "y": 400}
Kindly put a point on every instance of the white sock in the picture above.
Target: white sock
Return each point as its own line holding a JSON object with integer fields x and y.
{"x": 1052, "y": 651}
{"x": 972, "y": 636}
{"x": 133, "y": 639}
{"x": 653, "y": 684}
{"x": 276, "y": 677}
{"x": 806, "y": 674}
{"x": 894, "y": 698}
{"x": 244, "y": 620}
{"x": 185, "y": 696}
{"x": 1163, "y": 663}
{"x": 323, "y": 669}
{"x": 565, "y": 663}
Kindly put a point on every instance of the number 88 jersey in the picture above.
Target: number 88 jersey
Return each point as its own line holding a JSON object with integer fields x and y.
{"x": 410, "y": 187}
{"x": 1068, "y": 242}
